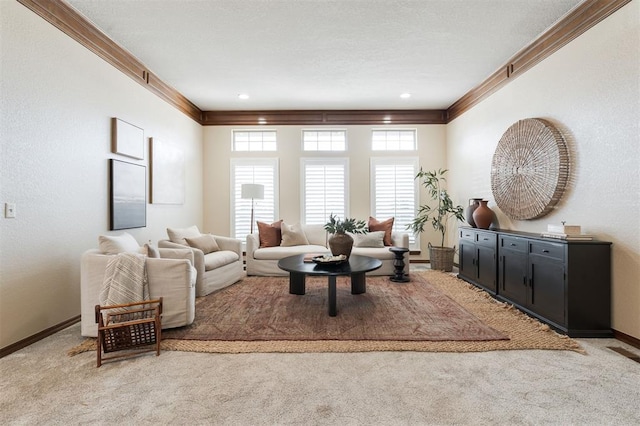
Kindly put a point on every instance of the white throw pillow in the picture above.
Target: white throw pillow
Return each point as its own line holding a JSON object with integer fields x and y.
{"x": 205, "y": 242}
{"x": 370, "y": 239}
{"x": 114, "y": 244}
{"x": 292, "y": 235}
{"x": 315, "y": 234}
{"x": 151, "y": 251}
{"x": 178, "y": 235}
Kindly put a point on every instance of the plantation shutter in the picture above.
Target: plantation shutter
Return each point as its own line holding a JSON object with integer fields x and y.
{"x": 394, "y": 192}
{"x": 324, "y": 189}
{"x": 263, "y": 172}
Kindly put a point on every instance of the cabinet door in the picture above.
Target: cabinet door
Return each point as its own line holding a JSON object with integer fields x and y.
{"x": 547, "y": 288}
{"x": 467, "y": 264}
{"x": 486, "y": 264}
{"x": 513, "y": 276}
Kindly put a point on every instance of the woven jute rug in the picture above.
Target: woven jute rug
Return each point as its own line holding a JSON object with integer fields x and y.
{"x": 435, "y": 312}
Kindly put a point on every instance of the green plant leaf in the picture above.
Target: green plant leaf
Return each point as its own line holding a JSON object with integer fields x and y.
{"x": 337, "y": 226}
{"x": 443, "y": 212}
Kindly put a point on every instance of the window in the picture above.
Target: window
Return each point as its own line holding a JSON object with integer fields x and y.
{"x": 254, "y": 140}
{"x": 393, "y": 140}
{"x": 324, "y": 189}
{"x": 263, "y": 171}
{"x": 324, "y": 140}
{"x": 394, "y": 192}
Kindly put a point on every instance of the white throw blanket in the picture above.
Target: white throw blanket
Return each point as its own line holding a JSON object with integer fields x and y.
{"x": 125, "y": 280}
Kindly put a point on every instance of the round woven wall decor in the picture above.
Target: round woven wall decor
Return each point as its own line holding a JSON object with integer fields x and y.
{"x": 530, "y": 169}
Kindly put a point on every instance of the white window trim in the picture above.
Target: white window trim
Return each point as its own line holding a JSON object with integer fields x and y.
{"x": 402, "y": 129}
{"x": 323, "y": 161}
{"x": 233, "y": 139}
{"x": 274, "y": 162}
{"x": 346, "y": 141}
{"x": 414, "y": 161}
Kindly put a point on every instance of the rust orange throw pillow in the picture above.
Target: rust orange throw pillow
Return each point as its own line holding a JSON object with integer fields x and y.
{"x": 385, "y": 225}
{"x": 270, "y": 234}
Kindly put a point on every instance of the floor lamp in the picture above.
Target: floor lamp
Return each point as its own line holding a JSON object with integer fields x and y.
{"x": 253, "y": 191}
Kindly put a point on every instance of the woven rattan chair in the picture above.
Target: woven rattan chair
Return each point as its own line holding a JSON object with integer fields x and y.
{"x": 132, "y": 327}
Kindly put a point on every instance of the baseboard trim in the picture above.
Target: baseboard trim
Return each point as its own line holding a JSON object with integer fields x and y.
{"x": 429, "y": 261}
{"x": 37, "y": 337}
{"x": 630, "y": 340}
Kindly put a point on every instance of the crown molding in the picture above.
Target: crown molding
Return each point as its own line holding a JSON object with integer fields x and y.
{"x": 323, "y": 117}
{"x": 576, "y": 22}
{"x": 64, "y": 17}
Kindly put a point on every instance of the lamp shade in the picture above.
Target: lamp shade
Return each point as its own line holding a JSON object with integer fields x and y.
{"x": 252, "y": 191}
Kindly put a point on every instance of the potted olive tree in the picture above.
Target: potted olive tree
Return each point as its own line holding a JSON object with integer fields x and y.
{"x": 438, "y": 215}
{"x": 340, "y": 242}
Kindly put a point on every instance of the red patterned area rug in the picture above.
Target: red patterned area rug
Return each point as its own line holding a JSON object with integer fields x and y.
{"x": 435, "y": 312}
{"x": 261, "y": 309}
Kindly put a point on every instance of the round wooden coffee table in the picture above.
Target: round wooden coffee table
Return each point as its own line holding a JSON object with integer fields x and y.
{"x": 356, "y": 267}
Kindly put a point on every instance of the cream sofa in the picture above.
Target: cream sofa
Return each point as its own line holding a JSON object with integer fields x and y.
{"x": 172, "y": 277}
{"x": 215, "y": 270}
{"x": 264, "y": 261}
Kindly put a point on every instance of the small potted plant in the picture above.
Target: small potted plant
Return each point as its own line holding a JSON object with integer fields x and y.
{"x": 440, "y": 257}
{"x": 340, "y": 242}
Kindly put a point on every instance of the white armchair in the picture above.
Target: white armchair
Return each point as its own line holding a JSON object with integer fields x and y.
{"x": 215, "y": 270}
{"x": 172, "y": 277}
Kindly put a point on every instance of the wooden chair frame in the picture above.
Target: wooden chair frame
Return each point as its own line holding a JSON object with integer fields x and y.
{"x": 128, "y": 327}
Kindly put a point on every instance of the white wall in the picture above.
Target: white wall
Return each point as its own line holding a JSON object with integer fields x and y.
{"x": 217, "y": 155}
{"x": 590, "y": 89}
{"x": 57, "y": 100}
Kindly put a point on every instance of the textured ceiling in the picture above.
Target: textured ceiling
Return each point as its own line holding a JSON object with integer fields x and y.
{"x": 323, "y": 54}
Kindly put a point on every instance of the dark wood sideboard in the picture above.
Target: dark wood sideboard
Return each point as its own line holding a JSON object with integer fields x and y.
{"x": 566, "y": 284}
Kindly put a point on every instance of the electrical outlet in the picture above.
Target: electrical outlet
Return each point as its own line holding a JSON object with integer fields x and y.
{"x": 10, "y": 210}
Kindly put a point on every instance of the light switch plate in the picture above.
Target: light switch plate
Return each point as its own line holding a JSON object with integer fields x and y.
{"x": 10, "y": 210}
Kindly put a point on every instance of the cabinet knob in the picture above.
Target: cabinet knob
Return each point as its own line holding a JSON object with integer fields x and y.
{"x": 545, "y": 251}
{"x": 512, "y": 244}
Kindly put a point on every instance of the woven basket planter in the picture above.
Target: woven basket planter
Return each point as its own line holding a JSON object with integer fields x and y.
{"x": 441, "y": 258}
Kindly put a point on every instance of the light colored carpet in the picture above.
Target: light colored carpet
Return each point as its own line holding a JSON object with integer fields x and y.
{"x": 41, "y": 385}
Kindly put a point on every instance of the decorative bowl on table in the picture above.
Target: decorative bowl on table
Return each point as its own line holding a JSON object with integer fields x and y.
{"x": 328, "y": 259}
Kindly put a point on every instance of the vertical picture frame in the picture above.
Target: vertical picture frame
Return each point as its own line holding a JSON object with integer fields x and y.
{"x": 167, "y": 172}
{"x": 128, "y": 195}
{"x": 127, "y": 139}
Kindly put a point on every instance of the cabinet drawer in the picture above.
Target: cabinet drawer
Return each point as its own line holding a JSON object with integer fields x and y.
{"x": 467, "y": 234}
{"x": 513, "y": 243}
{"x": 547, "y": 249}
{"x": 486, "y": 239}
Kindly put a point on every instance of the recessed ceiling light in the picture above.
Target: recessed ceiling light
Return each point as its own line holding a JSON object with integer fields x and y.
{"x": 243, "y": 96}
{"x": 405, "y": 95}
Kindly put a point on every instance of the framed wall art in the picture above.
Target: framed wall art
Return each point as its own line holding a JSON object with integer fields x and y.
{"x": 128, "y": 195}
{"x": 167, "y": 172}
{"x": 127, "y": 139}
